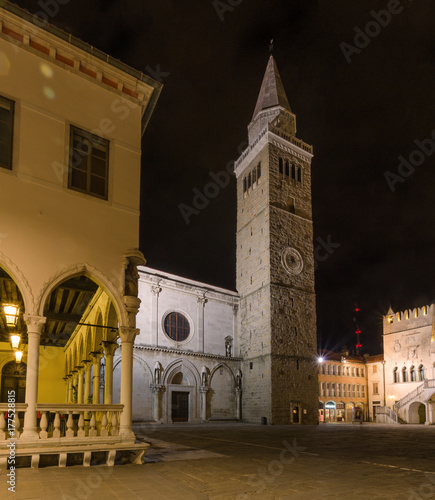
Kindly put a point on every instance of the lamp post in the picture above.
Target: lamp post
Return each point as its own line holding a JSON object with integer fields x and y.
{"x": 11, "y": 313}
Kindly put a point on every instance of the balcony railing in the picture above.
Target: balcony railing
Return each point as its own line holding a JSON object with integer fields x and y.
{"x": 384, "y": 410}
{"x": 62, "y": 422}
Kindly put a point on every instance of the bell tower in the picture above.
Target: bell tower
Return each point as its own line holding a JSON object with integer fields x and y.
{"x": 275, "y": 264}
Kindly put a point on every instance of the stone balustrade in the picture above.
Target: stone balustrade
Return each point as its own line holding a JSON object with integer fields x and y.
{"x": 65, "y": 421}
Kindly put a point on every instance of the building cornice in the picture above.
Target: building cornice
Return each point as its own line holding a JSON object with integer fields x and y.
{"x": 186, "y": 353}
{"x": 33, "y": 34}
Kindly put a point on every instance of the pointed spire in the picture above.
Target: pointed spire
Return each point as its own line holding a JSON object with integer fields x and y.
{"x": 272, "y": 91}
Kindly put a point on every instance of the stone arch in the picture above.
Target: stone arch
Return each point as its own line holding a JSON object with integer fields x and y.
{"x": 15, "y": 273}
{"x": 111, "y": 319}
{"x": 142, "y": 395}
{"x": 221, "y": 397}
{"x": 177, "y": 366}
{"x": 417, "y": 413}
{"x": 98, "y": 332}
{"x": 93, "y": 274}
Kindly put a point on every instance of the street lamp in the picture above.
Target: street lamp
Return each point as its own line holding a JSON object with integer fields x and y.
{"x": 18, "y": 356}
{"x": 11, "y": 313}
{"x": 15, "y": 340}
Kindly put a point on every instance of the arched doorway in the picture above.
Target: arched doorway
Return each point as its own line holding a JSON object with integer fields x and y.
{"x": 330, "y": 409}
{"x": 13, "y": 379}
{"x": 180, "y": 399}
{"x": 417, "y": 413}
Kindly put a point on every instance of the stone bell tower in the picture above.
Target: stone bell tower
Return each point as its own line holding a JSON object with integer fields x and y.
{"x": 275, "y": 264}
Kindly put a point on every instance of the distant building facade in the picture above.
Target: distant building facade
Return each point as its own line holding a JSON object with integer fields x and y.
{"x": 342, "y": 387}
{"x": 409, "y": 353}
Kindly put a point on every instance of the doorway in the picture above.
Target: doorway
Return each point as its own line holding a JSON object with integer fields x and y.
{"x": 296, "y": 415}
{"x": 13, "y": 379}
{"x": 180, "y": 406}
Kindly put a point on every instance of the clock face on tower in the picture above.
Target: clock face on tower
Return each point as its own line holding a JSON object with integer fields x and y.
{"x": 292, "y": 261}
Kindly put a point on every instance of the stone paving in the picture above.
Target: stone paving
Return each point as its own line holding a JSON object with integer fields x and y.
{"x": 241, "y": 462}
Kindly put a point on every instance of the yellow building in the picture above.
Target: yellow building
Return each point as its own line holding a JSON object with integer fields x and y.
{"x": 71, "y": 122}
{"x": 342, "y": 387}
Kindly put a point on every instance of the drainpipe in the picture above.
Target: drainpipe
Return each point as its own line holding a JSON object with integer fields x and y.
{"x": 383, "y": 378}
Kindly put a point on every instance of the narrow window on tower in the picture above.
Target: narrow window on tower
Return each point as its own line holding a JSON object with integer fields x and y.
{"x": 254, "y": 176}
{"x": 287, "y": 169}
{"x": 259, "y": 171}
{"x": 299, "y": 174}
{"x": 249, "y": 180}
{"x": 280, "y": 166}
{"x": 251, "y": 365}
{"x": 294, "y": 172}
{"x": 245, "y": 185}
{"x": 297, "y": 364}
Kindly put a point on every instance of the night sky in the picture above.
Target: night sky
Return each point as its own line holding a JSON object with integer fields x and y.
{"x": 360, "y": 112}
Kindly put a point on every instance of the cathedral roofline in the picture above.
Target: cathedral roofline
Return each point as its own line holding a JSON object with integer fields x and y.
{"x": 155, "y": 274}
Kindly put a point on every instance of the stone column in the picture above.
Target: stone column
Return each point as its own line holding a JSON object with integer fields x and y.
{"x": 74, "y": 384}
{"x": 96, "y": 358}
{"x": 155, "y": 292}
{"x": 156, "y": 389}
{"x": 127, "y": 336}
{"x": 236, "y": 347}
{"x": 87, "y": 390}
{"x": 202, "y": 301}
{"x": 70, "y": 384}
{"x": 109, "y": 350}
{"x": 66, "y": 379}
{"x": 429, "y": 413}
{"x": 203, "y": 391}
{"x": 239, "y": 404}
{"x": 80, "y": 373}
{"x": 34, "y": 328}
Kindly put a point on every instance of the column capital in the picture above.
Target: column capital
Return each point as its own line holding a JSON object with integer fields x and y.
{"x": 109, "y": 348}
{"x": 73, "y": 372}
{"x": 79, "y": 368}
{"x": 202, "y": 301}
{"x": 34, "y": 323}
{"x": 96, "y": 356}
{"x": 203, "y": 389}
{"x": 128, "y": 334}
{"x": 156, "y": 388}
{"x": 85, "y": 362}
{"x": 155, "y": 290}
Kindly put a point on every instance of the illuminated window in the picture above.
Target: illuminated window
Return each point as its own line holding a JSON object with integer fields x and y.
{"x": 6, "y": 132}
{"x": 89, "y": 163}
{"x": 425, "y": 310}
{"x": 177, "y": 326}
{"x": 416, "y": 313}
{"x": 390, "y": 319}
{"x": 407, "y": 314}
{"x": 399, "y": 316}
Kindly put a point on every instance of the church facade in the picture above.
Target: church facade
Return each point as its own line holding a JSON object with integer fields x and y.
{"x": 206, "y": 353}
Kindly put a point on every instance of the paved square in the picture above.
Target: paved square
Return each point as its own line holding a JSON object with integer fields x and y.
{"x": 239, "y": 461}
